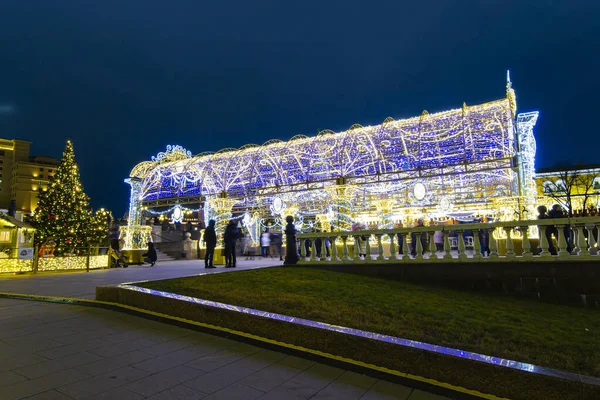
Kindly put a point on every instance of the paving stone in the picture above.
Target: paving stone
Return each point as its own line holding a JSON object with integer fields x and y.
{"x": 59, "y": 364}
{"x": 240, "y": 347}
{"x": 318, "y": 376}
{"x": 82, "y": 336}
{"x": 16, "y": 361}
{"x": 383, "y": 390}
{"x": 270, "y": 377}
{"x": 42, "y": 384}
{"x": 110, "y": 364}
{"x": 118, "y": 393}
{"x": 219, "y": 379}
{"x": 260, "y": 360}
{"x": 164, "y": 380}
{"x": 179, "y": 392}
{"x": 297, "y": 362}
{"x": 291, "y": 390}
{"x": 215, "y": 360}
{"x": 9, "y": 377}
{"x": 360, "y": 380}
{"x": 98, "y": 384}
{"x": 341, "y": 391}
{"x": 235, "y": 392}
{"x": 120, "y": 348}
{"x": 34, "y": 346}
{"x": 166, "y": 361}
{"x": 421, "y": 395}
{"x": 70, "y": 349}
{"x": 168, "y": 347}
{"x": 49, "y": 395}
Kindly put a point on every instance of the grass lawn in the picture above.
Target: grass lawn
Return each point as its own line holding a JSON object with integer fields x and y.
{"x": 557, "y": 336}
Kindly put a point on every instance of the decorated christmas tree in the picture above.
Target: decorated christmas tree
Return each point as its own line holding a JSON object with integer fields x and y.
{"x": 63, "y": 215}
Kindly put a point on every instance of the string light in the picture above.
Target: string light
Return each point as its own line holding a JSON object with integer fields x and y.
{"x": 434, "y": 163}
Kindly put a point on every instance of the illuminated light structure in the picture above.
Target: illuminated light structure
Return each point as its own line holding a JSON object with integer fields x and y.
{"x": 476, "y": 160}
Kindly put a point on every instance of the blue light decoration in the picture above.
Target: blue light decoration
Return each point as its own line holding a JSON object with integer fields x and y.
{"x": 476, "y": 159}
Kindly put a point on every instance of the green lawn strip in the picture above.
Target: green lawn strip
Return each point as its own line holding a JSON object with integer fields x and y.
{"x": 556, "y": 336}
{"x": 485, "y": 378}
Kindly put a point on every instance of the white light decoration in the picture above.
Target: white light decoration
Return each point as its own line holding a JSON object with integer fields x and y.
{"x": 445, "y": 205}
{"x": 177, "y": 215}
{"x": 419, "y": 191}
{"x": 465, "y": 155}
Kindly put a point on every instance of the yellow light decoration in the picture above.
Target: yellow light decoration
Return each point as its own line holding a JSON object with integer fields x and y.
{"x": 72, "y": 263}
{"x": 12, "y": 265}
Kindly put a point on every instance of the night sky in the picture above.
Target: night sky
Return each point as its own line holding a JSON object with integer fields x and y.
{"x": 123, "y": 79}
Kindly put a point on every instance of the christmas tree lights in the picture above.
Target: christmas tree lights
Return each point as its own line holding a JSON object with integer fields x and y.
{"x": 63, "y": 214}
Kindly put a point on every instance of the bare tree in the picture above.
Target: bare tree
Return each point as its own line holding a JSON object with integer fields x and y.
{"x": 572, "y": 185}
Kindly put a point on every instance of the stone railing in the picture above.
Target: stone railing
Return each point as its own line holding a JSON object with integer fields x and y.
{"x": 559, "y": 239}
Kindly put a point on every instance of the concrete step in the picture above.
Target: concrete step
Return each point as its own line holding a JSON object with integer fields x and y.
{"x": 162, "y": 256}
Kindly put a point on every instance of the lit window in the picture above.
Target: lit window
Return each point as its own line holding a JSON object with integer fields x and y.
{"x": 4, "y": 236}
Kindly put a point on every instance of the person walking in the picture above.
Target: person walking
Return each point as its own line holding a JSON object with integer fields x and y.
{"x": 210, "y": 238}
{"x": 265, "y": 242}
{"x": 277, "y": 240}
{"x": 231, "y": 235}
{"x": 150, "y": 256}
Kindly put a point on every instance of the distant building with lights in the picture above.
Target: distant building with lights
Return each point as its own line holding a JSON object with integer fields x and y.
{"x": 462, "y": 164}
{"x": 580, "y": 182}
{"x": 22, "y": 176}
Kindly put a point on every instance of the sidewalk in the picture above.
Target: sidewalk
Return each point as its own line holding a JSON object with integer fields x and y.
{"x": 60, "y": 352}
{"x": 83, "y": 284}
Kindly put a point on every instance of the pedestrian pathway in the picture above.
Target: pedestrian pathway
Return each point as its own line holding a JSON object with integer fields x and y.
{"x": 58, "y": 352}
{"x": 83, "y": 284}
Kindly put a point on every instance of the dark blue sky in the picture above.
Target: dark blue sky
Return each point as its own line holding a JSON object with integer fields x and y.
{"x": 123, "y": 79}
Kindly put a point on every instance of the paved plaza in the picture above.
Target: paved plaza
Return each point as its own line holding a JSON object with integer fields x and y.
{"x": 57, "y": 351}
{"x": 83, "y": 284}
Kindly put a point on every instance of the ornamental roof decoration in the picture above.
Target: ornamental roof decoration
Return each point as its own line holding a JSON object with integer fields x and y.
{"x": 173, "y": 153}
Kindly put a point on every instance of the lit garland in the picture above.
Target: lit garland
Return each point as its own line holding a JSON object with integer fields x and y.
{"x": 166, "y": 212}
{"x": 458, "y": 160}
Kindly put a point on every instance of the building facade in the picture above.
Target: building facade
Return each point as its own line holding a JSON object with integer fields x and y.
{"x": 22, "y": 176}
{"x": 576, "y": 188}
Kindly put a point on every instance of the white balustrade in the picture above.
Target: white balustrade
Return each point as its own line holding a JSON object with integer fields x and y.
{"x": 576, "y": 233}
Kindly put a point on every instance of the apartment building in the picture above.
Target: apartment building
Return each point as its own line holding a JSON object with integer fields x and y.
{"x": 22, "y": 176}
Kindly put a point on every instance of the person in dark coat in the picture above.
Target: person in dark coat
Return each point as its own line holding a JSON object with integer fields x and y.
{"x": 230, "y": 237}
{"x": 547, "y": 230}
{"x": 210, "y": 238}
{"x": 150, "y": 255}
{"x": 558, "y": 212}
{"x": 277, "y": 240}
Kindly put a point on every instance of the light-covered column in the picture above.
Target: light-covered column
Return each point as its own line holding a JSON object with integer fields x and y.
{"x": 135, "y": 201}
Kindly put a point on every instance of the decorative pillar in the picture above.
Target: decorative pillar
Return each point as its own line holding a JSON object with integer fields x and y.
{"x": 493, "y": 245}
{"x": 510, "y": 247}
{"x": 392, "y": 247}
{"x": 135, "y": 202}
{"x": 462, "y": 250}
{"x": 526, "y": 245}
{"x": 379, "y": 248}
{"x": 345, "y": 256}
{"x": 432, "y": 247}
{"x": 291, "y": 250}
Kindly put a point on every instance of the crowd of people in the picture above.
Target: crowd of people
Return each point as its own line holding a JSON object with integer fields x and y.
{"x": 271, "y": 243}
{"x": 231, "y": 236}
